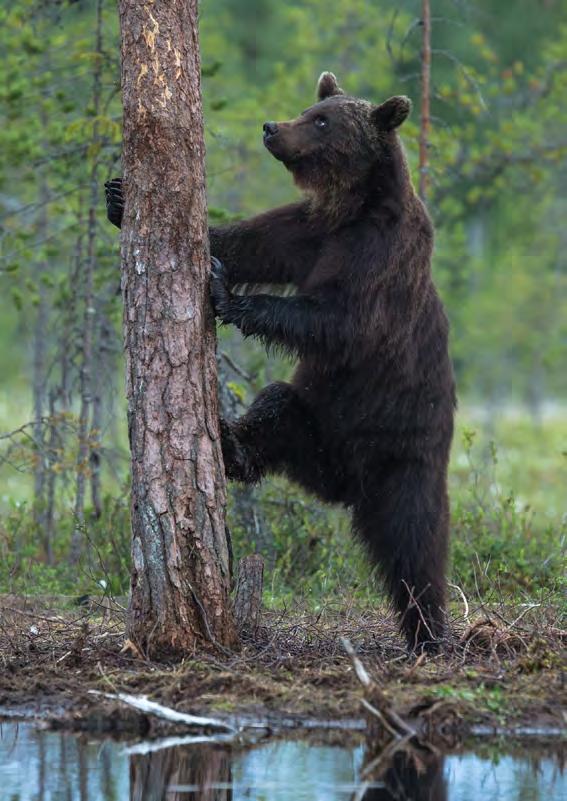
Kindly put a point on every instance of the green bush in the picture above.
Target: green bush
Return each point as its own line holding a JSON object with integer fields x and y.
{"x": 105, "y": 562}
{"x": 499, "y": 543}
{"x": 500, "y": 546}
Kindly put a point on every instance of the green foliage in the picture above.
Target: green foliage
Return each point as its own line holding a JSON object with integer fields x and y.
{"x": 492, "y": 698}
{"x": 500, "y": 544}
{"x": 308, "y": 547}
{"x": 105, "y": 566}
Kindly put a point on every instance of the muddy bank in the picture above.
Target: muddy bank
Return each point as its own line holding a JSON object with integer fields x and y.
{"x": 503, "y": 671}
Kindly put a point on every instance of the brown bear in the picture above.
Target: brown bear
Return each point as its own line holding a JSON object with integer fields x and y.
{"x": 367, "y": 419}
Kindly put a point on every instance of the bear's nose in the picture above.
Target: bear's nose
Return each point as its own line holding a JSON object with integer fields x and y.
{"x": 270, "y": 129}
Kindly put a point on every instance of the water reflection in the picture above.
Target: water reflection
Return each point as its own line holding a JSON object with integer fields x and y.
{"x": 199, "y": 773}
{"x": 409, "y": 775}
{"x": 48, "y": 766}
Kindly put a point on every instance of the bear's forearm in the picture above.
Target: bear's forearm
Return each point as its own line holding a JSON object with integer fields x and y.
{"x": 302, "y": 325}
{"x": 249, "y": 259}
{"x": 271, "y": 248}
{"x": 234, "y": 247}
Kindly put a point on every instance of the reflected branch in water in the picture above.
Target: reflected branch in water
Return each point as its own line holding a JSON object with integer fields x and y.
{"x": 409, "y": 774}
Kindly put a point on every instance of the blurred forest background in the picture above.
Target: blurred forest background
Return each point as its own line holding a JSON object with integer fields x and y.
{"x": 498, "y": 196}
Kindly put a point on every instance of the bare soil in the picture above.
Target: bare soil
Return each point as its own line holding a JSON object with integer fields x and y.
{"x": 503, "y": 669}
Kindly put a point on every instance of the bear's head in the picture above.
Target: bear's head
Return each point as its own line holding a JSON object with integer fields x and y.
{"x": 340, "y": 142}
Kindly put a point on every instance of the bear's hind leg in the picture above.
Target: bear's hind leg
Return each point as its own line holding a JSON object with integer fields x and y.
{"x": 406, "y": 527}
{"x": 278, "y": 434}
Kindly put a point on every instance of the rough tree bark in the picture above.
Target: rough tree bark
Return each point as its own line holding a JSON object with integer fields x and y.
{"x": 425, "y": 99}
{"x": 180, "y": 570}
{"x": 248, "y": 595}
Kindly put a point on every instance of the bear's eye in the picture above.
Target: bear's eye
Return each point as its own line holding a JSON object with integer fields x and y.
{"x": 320, "y": 122}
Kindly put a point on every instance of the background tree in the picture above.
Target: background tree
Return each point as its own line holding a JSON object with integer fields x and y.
{"x": 425, "y": 97}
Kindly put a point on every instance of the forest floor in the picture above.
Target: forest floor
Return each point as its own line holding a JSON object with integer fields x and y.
{"x": 504, "y": 670}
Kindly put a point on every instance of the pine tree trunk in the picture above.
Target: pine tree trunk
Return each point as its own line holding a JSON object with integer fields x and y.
{"x": 180, "y": 570}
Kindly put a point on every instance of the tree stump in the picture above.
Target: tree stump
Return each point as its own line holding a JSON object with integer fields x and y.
{"x": 248, "y": 596}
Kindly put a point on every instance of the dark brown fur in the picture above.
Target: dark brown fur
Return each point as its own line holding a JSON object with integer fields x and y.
{"x": 367, "y": 420}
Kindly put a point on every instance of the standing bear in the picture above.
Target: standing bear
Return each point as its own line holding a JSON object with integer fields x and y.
{"x": 367, "y": 419}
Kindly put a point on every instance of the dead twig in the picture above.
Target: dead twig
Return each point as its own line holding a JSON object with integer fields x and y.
{"x": 381, "y": 709}
{"x": 236, "y": 367}
{"x": 521, "y": 615}
{"x": 465, "y": 602}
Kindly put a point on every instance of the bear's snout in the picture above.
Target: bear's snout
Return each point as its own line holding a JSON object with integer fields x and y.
{"x": 270, "y": 129}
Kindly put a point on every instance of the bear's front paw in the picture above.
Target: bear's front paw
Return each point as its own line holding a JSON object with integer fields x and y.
{"x": 114, "y": 201}
{"x": 221, "y": 295}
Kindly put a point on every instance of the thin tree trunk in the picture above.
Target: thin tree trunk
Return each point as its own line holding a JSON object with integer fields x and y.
{"x": 425, "y": 100}
{"x": 88, "y": 312}
{"x": 60, "y": 397}
{"x": 52, "y": 444}
{"x": 180, "y": 570}
{"x": 67, "y": 345}
{"x": 95, "y": 457}
{"x": 244, "y": 503}
{"x": 40, "y": 365}
{"x": 101, "y": 350}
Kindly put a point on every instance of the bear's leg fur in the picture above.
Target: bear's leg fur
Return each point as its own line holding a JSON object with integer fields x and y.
{"x": 278, "y": 434}
{"x": 405, "y": 525}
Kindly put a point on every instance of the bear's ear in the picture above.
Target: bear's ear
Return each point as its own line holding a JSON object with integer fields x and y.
{"x": 327, "y": 86}
{"x": 391, "y": 113}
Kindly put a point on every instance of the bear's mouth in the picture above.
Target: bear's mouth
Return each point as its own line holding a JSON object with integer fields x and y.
{"x": 278, "y": 150}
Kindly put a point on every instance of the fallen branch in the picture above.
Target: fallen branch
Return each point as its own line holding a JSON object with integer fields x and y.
{"x": 143, "y": 704}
